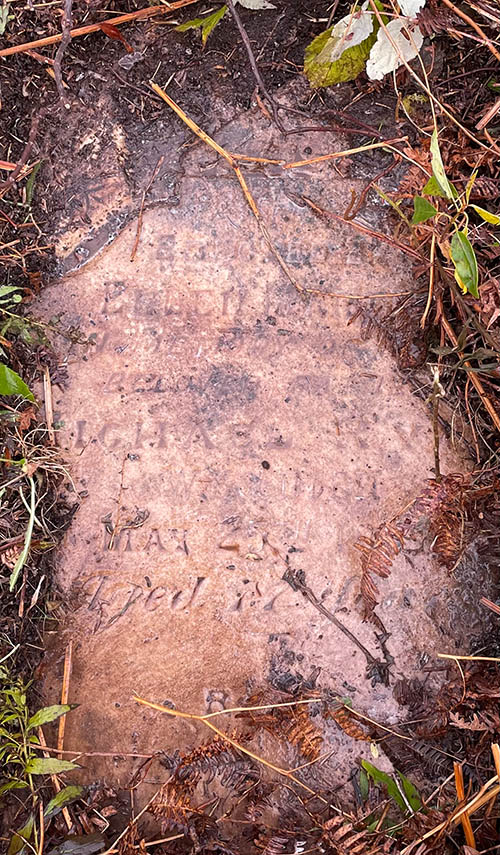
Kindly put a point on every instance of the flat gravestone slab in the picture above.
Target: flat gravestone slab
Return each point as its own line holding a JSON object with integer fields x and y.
{"x": 219, "y": 423}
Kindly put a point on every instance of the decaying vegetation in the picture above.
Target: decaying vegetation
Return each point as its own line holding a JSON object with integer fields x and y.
{"x": 224, "y": 796}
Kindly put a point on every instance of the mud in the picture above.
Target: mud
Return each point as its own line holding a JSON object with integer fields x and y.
{"x": 220, "y": 427}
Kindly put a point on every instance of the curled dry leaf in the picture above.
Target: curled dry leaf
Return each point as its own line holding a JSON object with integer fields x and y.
{"x": 399, "y": 42}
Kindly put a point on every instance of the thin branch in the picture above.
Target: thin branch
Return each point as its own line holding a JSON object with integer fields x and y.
{"x": 255, "y": 69}
{"x": 35, "y": 122}
{"x": 141, "y": 14}
{"x": 65, "y": 40}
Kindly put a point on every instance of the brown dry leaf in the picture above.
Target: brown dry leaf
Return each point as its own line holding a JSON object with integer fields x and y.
{"x": 26, "y": 417}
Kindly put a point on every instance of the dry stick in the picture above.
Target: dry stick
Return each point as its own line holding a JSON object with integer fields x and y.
{"x": 6, "y": 185}
{"x": 345, "y": 153}
{"x": 286, "y": 772}
{"x": 231, "y": 159}
{"x": 466, "y": 823}
{"x": 68, "y": 658}
{"x": 49, "y": 412}
{"x": 65, "y": 40}
{"x": 493, "y": 606}
{"x": 141, "y": 14}
{"x": 476, "y": 382}
{"x": 55, "y": 781}
{"x": 474, "y": 26}
{"x": 42, "y": 828}
{"x": 330, "y": 215}
{"x": 253, "y": 63}
{"x": 437, "y": 390}
{"x": 469, "y": 658}
{"x": 431, "y": 282}
{"x": 141, "y": 209}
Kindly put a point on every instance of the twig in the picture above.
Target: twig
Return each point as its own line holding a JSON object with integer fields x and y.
{"x": 41, "y": 839}
{"x": 55, "y": 781}
{"x": 465, "y": 819}
{"x": 255, "y": 69}
{"x": 330, "y": 215}
{"x": 296, "y": 580}
{"x": 476, "y": 382}
{"x": 431, "y": 282}
{"x": 493, "y": 606}
{"x": 436, "y": 394}
{"x": 49, "y": 412}
{"x": 68, "y": 657}
{"x": 35, "y": 122}
{"x": 469, "y": 658}
{"x": 474, "y": 26}
{"x": 193, "y": 717}
{"x": 140, "y": 14}
{"x": 232, "y": 159}
{"x": 345, "y": 153}
{"x": 65, "y": 40}
{"x": 141, "y": 209}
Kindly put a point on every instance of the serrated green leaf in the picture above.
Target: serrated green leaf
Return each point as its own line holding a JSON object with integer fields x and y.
{"x": 206, "y": 24}
{"x": 494, "y": 219}
{"x": 12, "y": 384}
{"x": 465, "y": 262}
{"x": 18, "y": 840}
{"x": 62, "y": 798}
{"x": 438, "y": 168}
{"x": 48, "y": 766}
{"x": 47, "y": 714}
{"x": 422, "y": 210}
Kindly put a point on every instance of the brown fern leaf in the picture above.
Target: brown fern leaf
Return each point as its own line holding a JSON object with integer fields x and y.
{"x": 444, "y": 503}
{"x": 206, "y": 758}
{"x": 274, "y": 844}
{"x": 348, "y": 723}
{"x": 377, "y": 556}
{"x": 172, "y": 807}
{"x": 292, "y": 723}
{"x": 340, "y": 837}
{"x": 126, "y": 845}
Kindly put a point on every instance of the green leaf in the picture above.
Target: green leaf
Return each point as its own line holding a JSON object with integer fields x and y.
{"x": 494, "y": 219}
{"x": 380, "y": 777}
{"x": 470, "y": 185}
{"x": 62, "y": 798}
{"x": 347, "y": 67}
{"x": 12, "y": 384}
{"x": 47, "y": 714}
{"x": 432, "y": 188}
{"x": 206, "y": 24}
{"x": 438, "y": 168}
{"x": 14, "y": 784}
{"x": 18, "y": 840}
{"x": 48, "y": 766}
{"x": 422, "y": 210}
{"x": 410, "y": 792}
{"x": 465, "y": 261}
{"x": 364, "y": 785}
{"x": 30, "y": 184}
